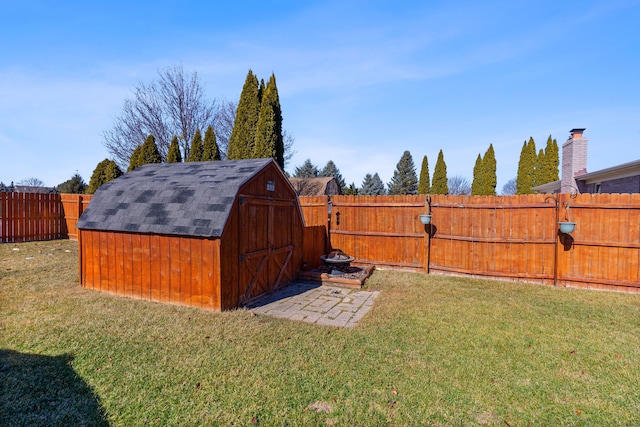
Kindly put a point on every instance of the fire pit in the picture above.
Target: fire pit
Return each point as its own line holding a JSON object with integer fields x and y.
{"x": 337, "y": 258}
{"x": 337, "y": 271}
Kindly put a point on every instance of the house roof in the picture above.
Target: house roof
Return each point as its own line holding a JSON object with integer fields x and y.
{"x": 614, "y": 172}
{"x": 190, "y": 199}
{"x": 314, "y": 186}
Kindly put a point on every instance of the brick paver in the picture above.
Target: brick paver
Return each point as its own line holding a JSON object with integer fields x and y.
{"x": 320, "y": 304}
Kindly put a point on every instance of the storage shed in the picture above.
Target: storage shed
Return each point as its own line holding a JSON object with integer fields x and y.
{"x": 213, "y": 235}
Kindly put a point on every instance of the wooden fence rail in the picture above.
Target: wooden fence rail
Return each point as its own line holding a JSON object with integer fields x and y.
{"x": 513, "y": 237}
{"x": 38, "y": 216}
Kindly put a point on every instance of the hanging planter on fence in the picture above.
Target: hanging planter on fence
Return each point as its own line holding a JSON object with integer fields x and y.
{"x": 567, "y": 227}
{"x": 425, "y": 219}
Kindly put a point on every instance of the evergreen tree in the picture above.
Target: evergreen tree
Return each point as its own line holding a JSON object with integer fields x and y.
{"x": 104, "y": 172}
{"x": 195, "y": 152}
{"x": 269, "y": 141}
{"x": 424, "y": 186}
{"x": 243, "y": 135}
{"x": 372, "y": 186}
{"x": 490, "y": 179}
{"x": 307, "y": 170}
{"x": 351, "y": 190}
{"x": 210, "y": 150}
{"x": 75, "y": 185}
{"x": 526, "y": 167}
{"x": 3, "y": 188}
{"x": 134, "y": 162}
{"x": 439, "y": 185}
{"x": 404, "y": 180}
{"x": 539, "y": 171}
{"x": 174, "y": 155}
{"x": 150, "y": 153}
{"x": 332, "y": 170}
{"x": 477, "y": 184}
{"x": 548, "y": 162}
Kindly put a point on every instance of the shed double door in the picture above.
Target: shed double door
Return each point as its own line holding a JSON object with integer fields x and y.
{"x": 266, "y": 245}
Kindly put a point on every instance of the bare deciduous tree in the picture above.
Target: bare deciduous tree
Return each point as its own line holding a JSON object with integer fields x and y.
{"x": 509, "y": 189}
{"x": 31, "y": 182}
{"x": 459, "y": 186}
{"x": 174, "y": 105}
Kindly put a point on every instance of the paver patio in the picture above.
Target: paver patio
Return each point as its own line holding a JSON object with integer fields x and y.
{"x": 320, "y": 304}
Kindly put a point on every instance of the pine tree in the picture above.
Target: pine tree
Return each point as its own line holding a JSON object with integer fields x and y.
{"x": 243, "y": 135}
{"x": 307, "y": 170}
{"x": 526, "y": 167}
{"x": 478, "y": 178}
{"x": 210, "y": 150}
{"x": 424, "y": 186}
{"x": 490, "y": 179}
{"x": 104, "y": 172}
{"x": 195, "y": 152}
{"x": 149, "y": 152}
{"x": 439, "y": 185}
{"x": 404, "y": 180}
{"x": 332, "y": 170}
{"x": 135, "y": 160}
{"x": 173, "y": 155}
{"x": 75, "y": 185}
{"x": 372, "y": 186}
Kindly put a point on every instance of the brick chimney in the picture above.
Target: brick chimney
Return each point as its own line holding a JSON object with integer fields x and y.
{"x": 574, "y": 160}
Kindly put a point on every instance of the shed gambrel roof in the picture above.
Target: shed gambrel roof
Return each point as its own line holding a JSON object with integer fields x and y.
{"x": 188, "y": 199}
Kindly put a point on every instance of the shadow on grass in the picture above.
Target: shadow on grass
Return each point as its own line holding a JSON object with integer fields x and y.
{"x": 40, "y": 390}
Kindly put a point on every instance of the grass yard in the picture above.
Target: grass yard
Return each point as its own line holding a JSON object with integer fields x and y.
{"x": 434, "y": 350}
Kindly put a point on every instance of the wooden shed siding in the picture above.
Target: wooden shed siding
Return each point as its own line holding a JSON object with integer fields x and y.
{"x": 177, "y": 270}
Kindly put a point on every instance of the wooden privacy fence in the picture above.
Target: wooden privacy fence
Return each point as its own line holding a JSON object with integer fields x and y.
{"x": 38, "y": 216}
{"x": 513, "y": 237}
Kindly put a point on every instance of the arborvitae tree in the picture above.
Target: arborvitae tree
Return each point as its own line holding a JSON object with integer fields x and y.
{"x": 135, "y": 160}
{"x": 210, "y": 150}
{"x": 307, "y": 170}
{"x": 195, "y": 152}
{"x": 478, "y": 178}
{"x": 351, "y": 190}
{"x": 439, "y": 183}
{"x": 424, "y": 186}
{"x": 104, "y": 172}
{"x": 548, "y": 162}
{"x": 526, "y": 168}
{"x": 332, "y": 170}
{"x": 489, "y": 166}
{"x": 243, "y": 135}
{"x": 372, "y": 186}
{"x": 174, "y": 155}
{"x": 75, "y": 185}
{"x": 269, "y": 141}
{"x": 404, "y": 180}
{"x": 150, "y": 153}
{"x": 111, "y": 171}
{"x": 539, "y": 170}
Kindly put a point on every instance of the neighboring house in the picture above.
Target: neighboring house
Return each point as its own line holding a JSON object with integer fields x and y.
{"x": 33, "y": 189}
{"x": 322, "y": 186}
{"x": 624, "y": 178}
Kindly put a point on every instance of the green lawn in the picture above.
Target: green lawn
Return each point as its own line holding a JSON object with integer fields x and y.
{"x": 434, "y": 350}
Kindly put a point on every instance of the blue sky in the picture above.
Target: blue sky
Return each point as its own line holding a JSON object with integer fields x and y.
{"x": 360, "y": 82}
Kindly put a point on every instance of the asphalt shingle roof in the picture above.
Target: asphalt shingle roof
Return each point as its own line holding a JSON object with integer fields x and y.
{"x": 189, "y": 199}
